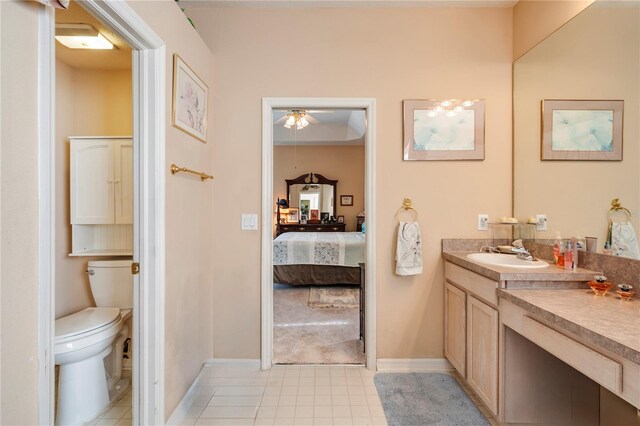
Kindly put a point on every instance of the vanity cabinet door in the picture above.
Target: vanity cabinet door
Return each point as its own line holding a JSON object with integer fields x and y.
{"x": 455, "y": 328}
{"x": 482, "y": 352}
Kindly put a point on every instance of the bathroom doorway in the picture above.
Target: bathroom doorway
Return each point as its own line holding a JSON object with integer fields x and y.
{"x": 94, "y": 215}
{"x": 115, "y": 105}
{"x": 288, "y": 311}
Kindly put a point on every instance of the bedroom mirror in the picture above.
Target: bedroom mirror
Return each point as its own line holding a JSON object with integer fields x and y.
{"x": 594, "y": 56}
{"x": 312, "y": 192}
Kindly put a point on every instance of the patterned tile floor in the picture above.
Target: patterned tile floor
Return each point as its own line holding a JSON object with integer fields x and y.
{"x": 119, "y": 414}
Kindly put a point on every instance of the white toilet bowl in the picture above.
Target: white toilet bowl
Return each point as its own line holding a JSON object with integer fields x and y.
{"x": 82, "y": 342}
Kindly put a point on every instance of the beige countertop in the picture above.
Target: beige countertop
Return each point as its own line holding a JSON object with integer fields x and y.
{"x": 502, "y": 273}
{"x": 605, "y": 321}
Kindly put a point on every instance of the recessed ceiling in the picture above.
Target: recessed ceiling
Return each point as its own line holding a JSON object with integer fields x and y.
{"x": 334, "y": 127}
{"x": 115, "y": 59}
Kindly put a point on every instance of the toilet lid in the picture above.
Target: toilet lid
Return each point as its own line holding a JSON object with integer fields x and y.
{"x": 85, "y": 320}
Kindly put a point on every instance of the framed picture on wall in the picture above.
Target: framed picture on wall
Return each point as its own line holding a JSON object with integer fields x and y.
{"x": 190, "y": 97}
{"x": 346, "y": 200}
{"x": 443, "y": 129}
{"x": 581, "y": 130}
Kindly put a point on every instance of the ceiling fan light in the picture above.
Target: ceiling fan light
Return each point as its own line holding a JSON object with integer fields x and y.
{"x": 290, "y": 121}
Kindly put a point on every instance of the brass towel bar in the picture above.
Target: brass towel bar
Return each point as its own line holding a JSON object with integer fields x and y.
{"x": 176, "y": 169}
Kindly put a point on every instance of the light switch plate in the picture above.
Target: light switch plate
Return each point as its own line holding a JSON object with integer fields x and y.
{"x": 541, "y": 222}
{"x": 249, "y": 222}
{"x": 483, "y": 222}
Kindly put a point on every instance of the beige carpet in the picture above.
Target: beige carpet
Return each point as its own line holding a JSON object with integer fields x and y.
{"x": 334, "y": 297}
{"x": 306, "y": 335}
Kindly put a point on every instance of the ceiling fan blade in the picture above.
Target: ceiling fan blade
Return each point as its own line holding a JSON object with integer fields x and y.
{"x": 319, "y": 111}
{"x": 310, "y": 119}
{"x": 281, "y": 119}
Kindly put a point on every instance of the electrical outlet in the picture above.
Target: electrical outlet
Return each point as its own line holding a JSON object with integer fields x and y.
{"x": 541, "y": 222}
{"x": 483, "y": 222}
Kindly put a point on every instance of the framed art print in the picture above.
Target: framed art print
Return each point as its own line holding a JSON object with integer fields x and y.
{"x": 190, "y": 97}
{"x": 581, "y": 130}
{"x": 346, "y": 200}
{"x": 446, "y": 129}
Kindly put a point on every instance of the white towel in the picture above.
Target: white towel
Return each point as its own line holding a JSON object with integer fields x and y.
{"x": 623, "y": 240}
{"x": 409, "y": 249}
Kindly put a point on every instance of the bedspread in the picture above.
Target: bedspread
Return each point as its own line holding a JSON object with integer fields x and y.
{"x": 319, "y": 248}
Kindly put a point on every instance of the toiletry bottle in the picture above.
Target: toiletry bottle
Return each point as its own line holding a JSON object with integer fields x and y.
{"x": 364, "y": 227}
{"x": 574, "y": 255}
{"x": 556, "y": 249}
{"x": 568, "y": 256}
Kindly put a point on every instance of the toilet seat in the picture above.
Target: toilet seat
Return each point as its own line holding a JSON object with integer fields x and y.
{"x": 85, "y": 322}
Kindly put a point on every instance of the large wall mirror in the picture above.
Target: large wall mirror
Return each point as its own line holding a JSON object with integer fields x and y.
{"x": 312, "y": 192}
{"x": 595, "y": 56}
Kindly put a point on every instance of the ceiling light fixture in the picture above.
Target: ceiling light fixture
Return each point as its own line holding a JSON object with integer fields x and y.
{"x": 81, "y": 36}
{"x": 296, "y": 118}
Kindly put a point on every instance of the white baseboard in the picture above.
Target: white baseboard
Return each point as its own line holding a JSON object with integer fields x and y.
{"x": 185, "y": 403}
{"x": 220, "y": 362}
{"x": 414, "y": 365}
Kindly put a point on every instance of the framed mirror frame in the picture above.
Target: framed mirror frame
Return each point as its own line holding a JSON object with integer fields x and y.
{"x": 315, "y": 179}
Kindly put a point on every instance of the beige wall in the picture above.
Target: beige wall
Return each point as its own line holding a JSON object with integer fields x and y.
{"x": 344, "y": 163}
{"x": 189, "y": 213}
{"x": 88, "y": 103}
{"x": 189, "y": 206}
{"x": 387, "y": 54}
{"x": 576, "y": 195}
{"x": 535, "y": 20}
{"x": 19, "y": 213}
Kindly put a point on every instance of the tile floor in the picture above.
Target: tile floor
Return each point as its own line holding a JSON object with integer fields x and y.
{"x": 286, "y": 395}
{"x": 119, "y": 414}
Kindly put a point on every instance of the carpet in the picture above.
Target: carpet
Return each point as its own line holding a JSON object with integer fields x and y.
{"x": 304, "y": 335}
{"x": 334, "y": 297}
{"x": 416, "y": 399}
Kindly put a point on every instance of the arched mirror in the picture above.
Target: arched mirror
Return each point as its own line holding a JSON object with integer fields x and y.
{"x": 312, "y": 192}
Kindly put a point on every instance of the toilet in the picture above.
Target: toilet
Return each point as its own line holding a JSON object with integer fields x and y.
{"x": 84, "y": 339}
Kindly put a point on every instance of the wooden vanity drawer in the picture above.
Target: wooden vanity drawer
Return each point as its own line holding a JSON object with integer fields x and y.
{"x": 480, "y": 286}
{"x": 593, "y": 364}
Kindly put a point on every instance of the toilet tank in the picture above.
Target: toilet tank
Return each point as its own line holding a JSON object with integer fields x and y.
{"x": 111, "y": 283}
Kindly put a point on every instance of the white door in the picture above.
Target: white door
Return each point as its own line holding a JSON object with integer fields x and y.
{"x": 92, "y": 181}
{"x": 123, "y": 181}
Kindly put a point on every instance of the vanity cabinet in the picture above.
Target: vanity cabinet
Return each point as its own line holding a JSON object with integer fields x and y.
{"x": 471, "y": 331}
{"x": 101, "y": 195}
{"x": 455, "y": 323}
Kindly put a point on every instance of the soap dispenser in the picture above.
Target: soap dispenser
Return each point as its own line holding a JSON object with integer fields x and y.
{"x": 568, "y": 256}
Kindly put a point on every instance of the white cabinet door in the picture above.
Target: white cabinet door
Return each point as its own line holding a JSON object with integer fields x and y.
{"x": 92, "y": 182}
{"x": 123, "y": 181}
{"x": 455, "y": 328}
{"x": 482, "y": 352}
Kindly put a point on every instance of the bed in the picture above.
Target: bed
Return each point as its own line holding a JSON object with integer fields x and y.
{"x": 318, "y": 258}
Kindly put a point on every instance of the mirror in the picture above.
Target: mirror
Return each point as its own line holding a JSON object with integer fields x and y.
{"x": 594, "y": 56}
{"x": 312, "y": 192}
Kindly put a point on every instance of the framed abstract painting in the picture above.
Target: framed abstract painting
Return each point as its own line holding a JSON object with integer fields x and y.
{"x": 446, "y": 129}
{"x": 585, "y": 130}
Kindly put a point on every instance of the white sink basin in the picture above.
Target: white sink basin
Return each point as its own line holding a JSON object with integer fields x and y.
{"x": 508, "y": 260}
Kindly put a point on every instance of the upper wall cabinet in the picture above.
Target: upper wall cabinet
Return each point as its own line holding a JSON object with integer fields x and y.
{"x": 101, "y": 181}
{"x": 101, "y": 192}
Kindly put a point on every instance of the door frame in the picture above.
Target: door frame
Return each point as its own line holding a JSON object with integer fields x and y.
{"x": 149, "y": 94}
{"x": 268, "y": 104}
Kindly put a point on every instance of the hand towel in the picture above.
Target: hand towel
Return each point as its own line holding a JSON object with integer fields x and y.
{"x": 623, "y": 240}
{"x": 409, "y": 249}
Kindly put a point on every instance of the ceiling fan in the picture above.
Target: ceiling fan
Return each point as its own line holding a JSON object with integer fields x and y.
{"x": 300, "y": 118}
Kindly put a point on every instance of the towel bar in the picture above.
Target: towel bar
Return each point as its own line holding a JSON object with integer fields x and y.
{"x": 177, "y": 169}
